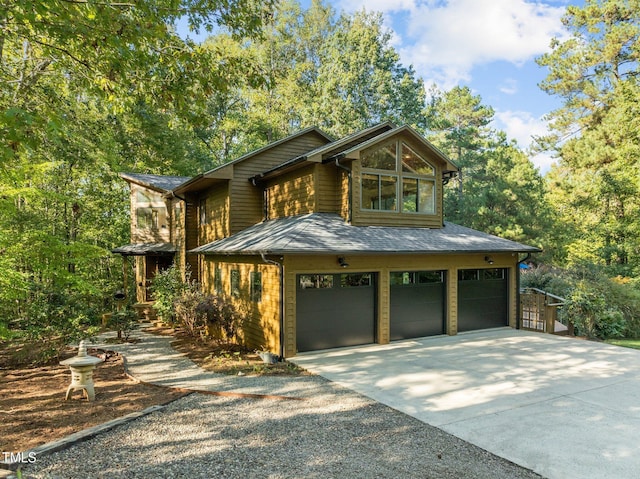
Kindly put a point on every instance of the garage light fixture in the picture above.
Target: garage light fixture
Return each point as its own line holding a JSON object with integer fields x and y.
{"x": 488, "y": 259}
{"x": 342, "y": 262}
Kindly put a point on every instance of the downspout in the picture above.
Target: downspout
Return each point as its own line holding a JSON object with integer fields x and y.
{"x": 349, "y": 185}
{"x": 518, "y": 316}
{"x": 281, "y": 268}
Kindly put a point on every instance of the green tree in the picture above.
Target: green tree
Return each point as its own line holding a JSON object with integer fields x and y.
{"x": 458, "y": 123}
{"x": 88, "y": 89}
{"x": 595, "y": 132}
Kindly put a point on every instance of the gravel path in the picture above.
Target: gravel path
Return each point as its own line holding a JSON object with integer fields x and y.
{"x": 334, "y": 433}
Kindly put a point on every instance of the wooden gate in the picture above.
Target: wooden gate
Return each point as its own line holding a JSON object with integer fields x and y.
{"x": 532, "y": 309}
{"x": 539, "y": 312}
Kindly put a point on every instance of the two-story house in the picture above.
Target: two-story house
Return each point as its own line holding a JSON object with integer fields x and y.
{"x": 327, "y": 243}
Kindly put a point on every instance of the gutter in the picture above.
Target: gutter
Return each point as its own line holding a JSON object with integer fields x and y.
{"x": 518, "y": 316}
{"x": 281, "y": 268}
{"x": 349, "y": 184}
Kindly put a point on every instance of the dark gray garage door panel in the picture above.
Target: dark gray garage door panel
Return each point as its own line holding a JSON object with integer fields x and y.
{"x": 334, "y": 317}
{"x": 417, "y": 309}
{"x": 482, "y": 299}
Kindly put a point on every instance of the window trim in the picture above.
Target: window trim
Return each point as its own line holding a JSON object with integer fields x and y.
{"x": 400, "y": 175}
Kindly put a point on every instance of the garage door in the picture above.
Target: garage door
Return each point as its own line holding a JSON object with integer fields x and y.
{"x": 482, "y": 299}
{"x": 417, "y": 304}
{"x": 335, "y": 310}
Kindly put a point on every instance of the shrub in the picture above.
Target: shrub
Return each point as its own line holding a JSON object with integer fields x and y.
{"x": 188, "y": 311}
{"x": 167, "y": 286}
{"x": 124, "y": 321}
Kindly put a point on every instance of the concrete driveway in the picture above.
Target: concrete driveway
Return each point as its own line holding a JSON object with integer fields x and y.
{"x": 563, "y": 407}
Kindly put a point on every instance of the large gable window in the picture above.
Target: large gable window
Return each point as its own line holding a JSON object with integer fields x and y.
{"x": 395, "y": 171}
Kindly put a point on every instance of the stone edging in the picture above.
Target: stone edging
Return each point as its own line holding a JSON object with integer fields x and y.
{"x": 76, "y": 437}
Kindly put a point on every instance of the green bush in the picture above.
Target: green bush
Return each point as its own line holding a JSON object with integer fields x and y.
{"x": 167, "y": 286}
{"x": 599, "y": 306}
{"x": 124, "y": 321}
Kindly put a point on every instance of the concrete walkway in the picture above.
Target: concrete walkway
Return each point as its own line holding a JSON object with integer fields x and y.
{"x": 563, "y": 407}
{"x": 152, "y": 360}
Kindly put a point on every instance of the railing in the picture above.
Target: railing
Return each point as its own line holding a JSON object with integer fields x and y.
{"x": 539, "y": 312}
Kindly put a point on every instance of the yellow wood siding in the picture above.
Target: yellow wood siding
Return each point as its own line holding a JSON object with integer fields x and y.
{"x": 216, "y": 202}
{"x": 292, "y": 194}
{"x": 261, "y": 328}
{"x": 383, "y": 265}
{"x": 327, "y": 186}
{"x": 246, "y": 203}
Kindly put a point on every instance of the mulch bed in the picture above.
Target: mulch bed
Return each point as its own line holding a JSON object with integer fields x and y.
{"x": 33, "y": 410}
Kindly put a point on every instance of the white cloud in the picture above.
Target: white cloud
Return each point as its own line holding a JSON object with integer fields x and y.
{"x": 522, "y": 127}
{"x": 445, "y": 39}
{"x": 509, "y": 86}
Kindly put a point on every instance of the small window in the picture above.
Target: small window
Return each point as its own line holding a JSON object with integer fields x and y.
{"x": 425, "y": 277}
{"x": 381, "y": 159}
{"x": 256, "y": 286}
{"x": 468, "y": 275}
{"x": 401, "y": 278}
{"x": 493, "y": 274}
{"x": 316, "y": 281}
{"x": 235, "y": 283}
{"x": 217, "y": 281}
{"x": 203, "y": 212}
{"x": 147, "y": 218}
{"x": 355, "y": 280}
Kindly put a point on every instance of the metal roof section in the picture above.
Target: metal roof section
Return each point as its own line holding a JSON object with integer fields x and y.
{"x": 319, "y": 233}
{"x": 141, "y": 249}
{"x": 155, "y": 182}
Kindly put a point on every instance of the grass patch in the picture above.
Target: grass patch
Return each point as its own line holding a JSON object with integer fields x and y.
{"x": 625, "y": 343}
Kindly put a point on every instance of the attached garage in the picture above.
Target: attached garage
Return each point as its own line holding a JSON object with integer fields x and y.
{"x": 335, "y": 310}
{"x": 482, "y": 299}
{"x": 417, "y": 304}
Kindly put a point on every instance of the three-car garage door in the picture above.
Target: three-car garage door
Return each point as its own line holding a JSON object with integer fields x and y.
{"x": 335, "y": 310}
{"x": 417, "y": 304}
{"x": 482, "y": 299}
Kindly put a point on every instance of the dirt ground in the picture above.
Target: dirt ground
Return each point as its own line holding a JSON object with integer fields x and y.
{"x": 33, "y": 410}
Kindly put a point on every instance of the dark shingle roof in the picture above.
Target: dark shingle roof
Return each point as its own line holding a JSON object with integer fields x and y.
{"x": 141, "y": 249}
{"x": 328, "y": 233}
{"x": 158, "y": 182}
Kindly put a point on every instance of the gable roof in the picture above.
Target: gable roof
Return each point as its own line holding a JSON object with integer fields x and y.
{"x": 328, "y": 233}
{"x": 450, "y": 166}
{"x": 159, "y": 183}
{"x": 225, "y": 171}
{"x": 350, "y": 146}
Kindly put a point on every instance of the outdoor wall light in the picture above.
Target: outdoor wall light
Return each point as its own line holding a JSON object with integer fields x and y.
{"x": 488, "y": 259}
{"x": 342, "y": 262}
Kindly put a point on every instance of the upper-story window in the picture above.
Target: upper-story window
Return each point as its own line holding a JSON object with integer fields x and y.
{"x": 151, "y": 211}
{"x": 397, "y": 179}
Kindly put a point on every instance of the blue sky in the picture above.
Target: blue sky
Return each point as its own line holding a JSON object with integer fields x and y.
{"x": 487, "y": 45}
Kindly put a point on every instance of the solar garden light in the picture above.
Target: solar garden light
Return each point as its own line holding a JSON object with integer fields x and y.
{"x": 82, "y": 367}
